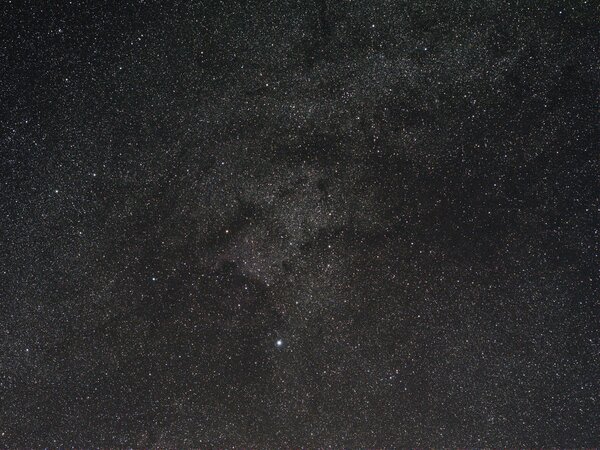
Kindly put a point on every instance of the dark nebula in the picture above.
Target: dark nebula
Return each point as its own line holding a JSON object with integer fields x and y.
{"x": 277, "y": 224}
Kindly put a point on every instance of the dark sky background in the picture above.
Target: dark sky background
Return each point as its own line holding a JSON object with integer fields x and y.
{"x": 299, "y": 223}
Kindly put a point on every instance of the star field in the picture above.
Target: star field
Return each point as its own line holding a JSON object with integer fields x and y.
{"x": 299, "y": 224}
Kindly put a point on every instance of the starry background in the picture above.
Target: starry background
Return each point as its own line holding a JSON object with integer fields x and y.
{"x": 299, "y": 223}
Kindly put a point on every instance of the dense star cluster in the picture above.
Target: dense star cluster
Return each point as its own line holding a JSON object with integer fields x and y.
{"x": 300, "y": 223}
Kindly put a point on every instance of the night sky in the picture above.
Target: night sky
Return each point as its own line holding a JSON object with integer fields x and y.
{"x": 300, "y": 223}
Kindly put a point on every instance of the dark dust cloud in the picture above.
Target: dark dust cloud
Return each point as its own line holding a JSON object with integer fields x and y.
{"x": 299, "y": 223}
